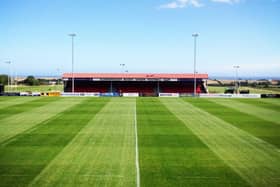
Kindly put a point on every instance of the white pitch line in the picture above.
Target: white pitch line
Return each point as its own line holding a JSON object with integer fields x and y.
{"x": 136, "y": 149}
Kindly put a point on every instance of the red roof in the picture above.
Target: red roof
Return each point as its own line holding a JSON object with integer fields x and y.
{"x": 136, "y": 75}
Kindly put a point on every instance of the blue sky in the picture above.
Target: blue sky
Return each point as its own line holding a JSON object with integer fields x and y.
{"x": 146, "y": 35}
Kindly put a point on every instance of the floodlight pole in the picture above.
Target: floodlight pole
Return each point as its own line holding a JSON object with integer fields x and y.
{"x": 122, "y": 71}
{"x": 15, "y": 81}
{"x": 9, "y": 76}
{"x": 195, "y": 35}
{"x": 58, "y": 75}
{"x": 236, "y": 78}
{"x": 122, "y": 65}
{"x": 73, "y": 82}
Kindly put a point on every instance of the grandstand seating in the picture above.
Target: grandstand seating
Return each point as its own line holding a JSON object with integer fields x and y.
{"x": 142, "y": 87}
{"x": 180, "y": 87}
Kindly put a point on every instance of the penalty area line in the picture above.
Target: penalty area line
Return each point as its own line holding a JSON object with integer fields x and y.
{"x": 136, "y": 148}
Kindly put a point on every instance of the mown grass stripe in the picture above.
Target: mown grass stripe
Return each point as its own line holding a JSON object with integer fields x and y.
{"x": 263, "y": 113}
{"x": 274, "y": 102}
{"x": 10, "y": 101}
{"x": 260, "y": 103}
{"x": 24, "y": 157}
{"x": 16, "y": 124}
{"x": 171, "y": 155}
{"x": 102, "y": 153}
{"x": 267, "y": 131}
{"x": 136, "y": 148}
{"x": 6, "y": 98}
{"x": 255, "y": 160}
{"x": 25, "y": 106}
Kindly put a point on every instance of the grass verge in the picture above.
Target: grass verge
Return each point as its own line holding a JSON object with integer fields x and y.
{"x": 172, "y": 155}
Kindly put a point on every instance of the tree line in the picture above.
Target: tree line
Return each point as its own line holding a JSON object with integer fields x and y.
{"x": 29, "y": 80}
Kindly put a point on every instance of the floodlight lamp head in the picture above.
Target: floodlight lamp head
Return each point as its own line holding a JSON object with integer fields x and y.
{"x": 72, "y": 34}
{"x": 195, "y": 35}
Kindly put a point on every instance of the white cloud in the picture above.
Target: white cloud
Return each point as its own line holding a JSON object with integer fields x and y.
{"x": 181, "y": 4}
{"x": 226, "y": 1}
{"x": 195, "y": 3}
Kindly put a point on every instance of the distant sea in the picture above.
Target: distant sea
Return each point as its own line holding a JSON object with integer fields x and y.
{"x": 244, "y": 78}
{"x": 210, "y": 77}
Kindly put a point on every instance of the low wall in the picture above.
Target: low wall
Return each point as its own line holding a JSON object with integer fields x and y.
{"x": 66, "y": 94}
{"x": 270, "y": 95}
{"x": 169, "y": 95}
{"x": 130, "y": 94}
{"x": 230, "y": 95}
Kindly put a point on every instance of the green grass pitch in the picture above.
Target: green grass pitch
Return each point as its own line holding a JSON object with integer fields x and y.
{"x": 57, "y": 141}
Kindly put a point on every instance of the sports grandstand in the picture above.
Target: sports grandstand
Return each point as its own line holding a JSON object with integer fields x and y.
{"x": 141, "y": 83}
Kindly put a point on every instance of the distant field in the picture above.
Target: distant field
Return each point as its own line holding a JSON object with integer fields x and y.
{"x": 56, "y": 141}
{"x": 220, "y": 89}
{"x": 41, "y": 88}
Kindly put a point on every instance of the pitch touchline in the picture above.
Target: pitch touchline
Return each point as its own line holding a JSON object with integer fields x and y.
{"x": 136, "y": 149}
